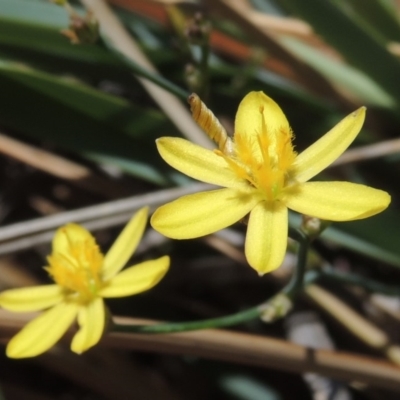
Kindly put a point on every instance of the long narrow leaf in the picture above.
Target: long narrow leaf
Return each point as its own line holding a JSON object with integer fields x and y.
{"x": 351, "y": 39}
{"x": 82, "y": 119}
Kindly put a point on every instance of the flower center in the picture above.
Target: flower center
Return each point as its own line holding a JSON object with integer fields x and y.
{"x": 77, "y": 269}
{"x": 264, "y": 159}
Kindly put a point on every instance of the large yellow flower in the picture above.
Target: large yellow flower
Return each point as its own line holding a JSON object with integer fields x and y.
{"x": 263, "y": 175}
{"x": 83, "y": 277}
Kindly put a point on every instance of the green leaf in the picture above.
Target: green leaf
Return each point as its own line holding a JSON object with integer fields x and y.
{"x": 41, "y": 12}
{"x": 352, "y": 40}
{"x": 342, "y": 74}
{"x": 375, "y": 237}
{"x": 76, "y": 117}
{"x": 379, "y": 15}
{"x": 45, "y": 47}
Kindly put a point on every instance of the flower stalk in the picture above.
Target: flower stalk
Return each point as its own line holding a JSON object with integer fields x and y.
{"x": 270, "y": 310}
{"x": 274, "y": 308}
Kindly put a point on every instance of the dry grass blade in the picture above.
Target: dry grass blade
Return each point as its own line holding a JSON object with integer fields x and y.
{"x": 75, "y": 173}
{"x": 367, "y": 332}
{"x": 125, "y": 44}
{"x": 29, "y": 233}
{"x": 369, "y": 152}
{"x": 305, "y": 74}
{"x": 241, "y": 348}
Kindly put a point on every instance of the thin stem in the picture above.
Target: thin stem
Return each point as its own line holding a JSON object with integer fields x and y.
{"x": 153, "y": 77}
{"x": 205, "y": 52}
{"x": 296, "y": 283}
{"x": 357, "y": 280}
{"x": 119, "y": 39}
{"x": 228, "y": 320}
{"x": 288, "y": 292}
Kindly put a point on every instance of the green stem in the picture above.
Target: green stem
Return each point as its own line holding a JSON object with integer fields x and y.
{"x": 228, "y": 320}
{"x": 290, "y": 291}
{"x": 143, "y": 72}
{"x": 296, "y": 283}
{"x": 357, "y": 280}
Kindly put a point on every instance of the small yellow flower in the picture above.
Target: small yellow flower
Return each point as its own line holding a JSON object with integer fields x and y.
{"x": 261, "y": 175}
{"x": 83, "y": 277}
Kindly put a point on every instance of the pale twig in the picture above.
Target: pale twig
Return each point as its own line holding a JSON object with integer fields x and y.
{"x": 29, "y": 233}
{"x": 285, "y": 26}
{"x": 274, "y": 23}
{"x": 369, "y": 152}
{"x": 223, "y": 246}
{"x": 63, "y": 168}
{"x": 363, "y": 329}
{"x": 305, "y": 74}
{"x": 241, "y": 348}
{"x": 119, "y": 38}
{"x": 388, "y": 305}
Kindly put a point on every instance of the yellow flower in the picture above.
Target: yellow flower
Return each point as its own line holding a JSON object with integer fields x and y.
{"x": 261, "y": 175}
{"x": 83, "y": 277}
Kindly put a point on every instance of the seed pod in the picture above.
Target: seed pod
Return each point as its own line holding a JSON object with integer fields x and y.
{"x": 210, "y": 124}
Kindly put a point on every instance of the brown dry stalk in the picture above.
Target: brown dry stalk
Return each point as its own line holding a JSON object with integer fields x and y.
{"x": 310, "y": 78}
{"x": 241, "y": 348}
{"x": 363, "y": 329}
{"x": 73, "y": 172}
{"x": 116, "y": 33}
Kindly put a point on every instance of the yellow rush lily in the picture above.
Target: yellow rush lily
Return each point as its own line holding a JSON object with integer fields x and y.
{"x": 83, "y": 277}
{"x": 261, "y": 175}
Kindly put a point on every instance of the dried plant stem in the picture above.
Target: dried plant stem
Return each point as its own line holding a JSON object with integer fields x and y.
{"x": 241, "y": 348}
{"x": 365, "y": 153}
{"x": 29, "y": 233}
{"x": 306, "y": 75}
{"x": 63, "y": 168}
{"x": 367, "y": 332}
{"x": 120, "y": 40}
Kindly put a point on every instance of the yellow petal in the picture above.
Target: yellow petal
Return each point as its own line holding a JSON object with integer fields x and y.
{"x": 337, "y": 201}
{"x": 328, "y": 148}
{"x": 266, "y": 238}
{"x": 248, "y": 119}
{"x": 43, "y": 332}
{"x": 68, "y": 235}
{"x": 91, "y": 319}
{"x": 137, "y": 279}
{"x": 31, "y": 298}
{"x": 197, "y": 162}
{"x": 203, "y": 213}
{"x": 126, "y": 243}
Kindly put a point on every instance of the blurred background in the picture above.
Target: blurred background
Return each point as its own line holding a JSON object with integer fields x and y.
{"x": 85, "y": 89}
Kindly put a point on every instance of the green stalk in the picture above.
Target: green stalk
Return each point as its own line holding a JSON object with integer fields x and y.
{"x": 155, "y": 78}
{"x": 296, "y": 283}
{"x": 269, "y": 310}
{"x": 356, "y": 280}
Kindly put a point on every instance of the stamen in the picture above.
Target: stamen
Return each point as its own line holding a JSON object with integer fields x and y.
{"x": 78, "y": 268}
{"x": 264, "y": 159}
